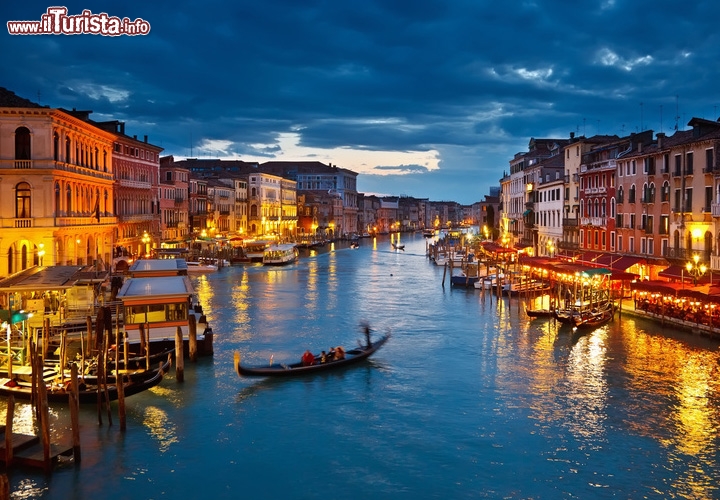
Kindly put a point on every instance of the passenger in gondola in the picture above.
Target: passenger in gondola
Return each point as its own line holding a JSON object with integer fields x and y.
{"x": 331, "y": 354}
{"x": 339, "y": 352}
{"x": 308, "y": 358}
{"x": 323, "y": 357}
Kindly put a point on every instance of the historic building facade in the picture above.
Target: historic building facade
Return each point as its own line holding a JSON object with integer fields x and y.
{"x": 56, "y": 188}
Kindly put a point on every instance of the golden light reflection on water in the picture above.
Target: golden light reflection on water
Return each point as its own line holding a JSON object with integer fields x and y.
{"x": 240, "y": 300}
{"x": 203, "y": 289}
{"x": 586, "y": 383}
{"x": 682, "y": 410}
{"x": 161, "y": 427}
{"x": 29, "y": 488}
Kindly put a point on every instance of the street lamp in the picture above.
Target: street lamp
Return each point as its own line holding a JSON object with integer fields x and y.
{"x": 695, "y": 269}
{"x": 550, "y": 248}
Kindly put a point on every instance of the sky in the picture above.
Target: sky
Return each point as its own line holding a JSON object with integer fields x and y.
{"x": 424, "y": 98}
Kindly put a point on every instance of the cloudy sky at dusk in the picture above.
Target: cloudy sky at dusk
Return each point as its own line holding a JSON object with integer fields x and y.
{"x": 427, "y": 98}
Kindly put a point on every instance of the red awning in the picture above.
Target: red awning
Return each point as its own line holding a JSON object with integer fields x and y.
{"x": 589, "y": 258}
{"x": 624, "y": 262}
{"x": 606, "y": 259}
{"x": 673, "y": 272}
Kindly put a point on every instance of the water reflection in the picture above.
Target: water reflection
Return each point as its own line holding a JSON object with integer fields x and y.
{"x": 161, "y": 427}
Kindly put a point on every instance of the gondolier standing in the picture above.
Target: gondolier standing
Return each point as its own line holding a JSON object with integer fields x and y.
{"x": 368, "y": 343}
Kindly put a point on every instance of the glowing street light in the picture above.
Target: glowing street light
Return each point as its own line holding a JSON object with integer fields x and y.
{"x": 695, "y": 269}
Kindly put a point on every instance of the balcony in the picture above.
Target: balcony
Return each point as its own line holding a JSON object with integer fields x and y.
{"x": 568, "y": 245}
{"x": 570, "y": 222}
{"x": 715, "y": 209}
{"x": 20, "y": 223}
{"x": 134, "y": 184}
{"x": 687, "y": 254}
{"x": 593, "y": 221}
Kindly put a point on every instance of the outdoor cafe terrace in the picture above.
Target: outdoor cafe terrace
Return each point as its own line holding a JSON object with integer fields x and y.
{"x": 686, "y": 300}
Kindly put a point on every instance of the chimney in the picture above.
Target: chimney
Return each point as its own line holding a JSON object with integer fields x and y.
{"x": 660, "y": 139}
{"x": 145, "y": 139}
{"x": 640, "y": 145}
{"x": 572, "y": 135}
{"x": 135, "y": 136}
{"x": 122, "y": 128}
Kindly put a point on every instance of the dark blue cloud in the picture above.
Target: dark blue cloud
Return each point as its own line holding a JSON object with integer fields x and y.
{"x": 472, "y": 80}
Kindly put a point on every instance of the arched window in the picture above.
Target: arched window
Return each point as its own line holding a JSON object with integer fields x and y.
{"x": 612, "y": 207}
{"x": 651, "y": 194}
{"x": 22, "y": 201}
{"x": 23, "y": 257}
{"x": 22, "y": 143}
{"x": 56, "y": 146}
{"x": 253, "y": 211}
{"x": 620, "y": 197}
{"x": 631, "y": 194}
{"x": 68, "y": 200}
{"x": 57, "y": 199}
{"x": 67, "y": 150}
{"x": 665, "y": 193}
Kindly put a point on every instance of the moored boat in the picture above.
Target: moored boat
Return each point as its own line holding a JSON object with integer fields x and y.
{"x": 200, "y": 267}
{"x": 352, "y": 356}
{"x": 88, "y": 393}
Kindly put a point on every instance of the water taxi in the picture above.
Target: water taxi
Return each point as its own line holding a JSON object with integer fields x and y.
{"x": 255, "y": 249}
{"x": 279, "y": 255}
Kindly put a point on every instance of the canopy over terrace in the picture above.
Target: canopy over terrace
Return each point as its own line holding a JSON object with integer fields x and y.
{"x": 573, "y": 269}
{"x": 705, "y": 293}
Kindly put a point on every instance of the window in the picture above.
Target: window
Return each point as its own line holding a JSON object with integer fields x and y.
{"x": 620, "y": 196}
{"x": 665, "y": 193}
{"x": 666, "y": 163}
{"x": 709, "y": 163}
{"x": 664, "y": 227}
{"x": 22, "y": 201}
{"x": 649, "y": 165}
{"x": 631, "y": 194}
{"x": 619, "y": 243}
{"x": 632, "y": 221}
{"x": 689, "y": 164}
{"x": 678, "y": 166}
{"x": 688, "y": 200}
{"x": 632, "y": 244}
{"x": 22, "y": 143}
{"x": 56, "y": 147}
{"x": 676, "y": 205}
{"x": 708, "y": 199}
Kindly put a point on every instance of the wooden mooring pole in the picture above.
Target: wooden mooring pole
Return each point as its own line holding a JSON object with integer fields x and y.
{"x": 192, "y": 338}
{"x": 179, "y": 355}
{"x": 75, "y": 413}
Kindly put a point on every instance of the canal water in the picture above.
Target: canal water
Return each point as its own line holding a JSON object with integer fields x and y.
{"x": 469, "y": 399}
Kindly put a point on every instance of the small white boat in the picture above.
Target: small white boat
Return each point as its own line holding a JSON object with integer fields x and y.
{"x": 201, "y": 267}
{"x": 279, "y": 255}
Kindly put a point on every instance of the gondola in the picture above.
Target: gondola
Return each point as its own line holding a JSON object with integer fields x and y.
{"x": 352, "y": 356}
{"x": 594, "y": 320}
{"x": 88, "y": 393}
{"x": 398, "y": 247}
{"x": 540, "y": 313}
